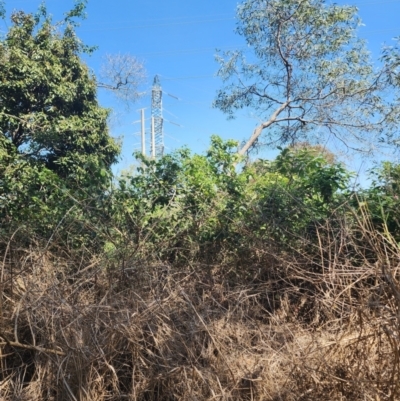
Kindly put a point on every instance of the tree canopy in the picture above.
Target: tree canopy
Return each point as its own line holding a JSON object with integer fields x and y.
{"x": 56, "y": 152}
{"x": 308, "y": 75}
{"x": 49, "y": 114}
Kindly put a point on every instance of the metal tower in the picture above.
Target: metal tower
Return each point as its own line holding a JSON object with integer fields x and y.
{"x": 156, "y": 113}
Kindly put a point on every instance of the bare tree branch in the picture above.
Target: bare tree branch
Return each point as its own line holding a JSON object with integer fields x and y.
{"x": 260, "y": 128}
{"x": 123, "y": 74}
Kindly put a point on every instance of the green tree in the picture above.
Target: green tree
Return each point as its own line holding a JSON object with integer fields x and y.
{"x": 178, "y": 203}
{"x": 288, "y": 197}
{"x": 55, "y": 149}
{"x": 308, "y": 72}
{"x": 49, "y": 114}
{"x": 382, "y": 199}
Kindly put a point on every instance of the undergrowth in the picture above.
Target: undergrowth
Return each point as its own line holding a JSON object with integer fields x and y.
{"x": 318, "y": 322}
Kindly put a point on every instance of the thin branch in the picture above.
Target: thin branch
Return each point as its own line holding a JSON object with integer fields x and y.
{"x": 29, "y": 347}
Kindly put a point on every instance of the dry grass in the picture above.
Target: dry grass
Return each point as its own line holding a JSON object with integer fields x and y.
{"x": 322, "y": 324}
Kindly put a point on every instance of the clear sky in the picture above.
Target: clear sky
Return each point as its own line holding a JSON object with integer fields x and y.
{"x": 177, "y": 40}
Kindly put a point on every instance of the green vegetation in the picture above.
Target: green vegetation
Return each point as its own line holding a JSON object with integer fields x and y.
{"x": 196, "y": 277}
{"x": 54, "y": 144}
{"x": 308, "y": 72}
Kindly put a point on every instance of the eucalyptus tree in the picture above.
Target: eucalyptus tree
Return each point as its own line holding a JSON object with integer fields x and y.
{"x": 391, "y": 60}
{"x": 306, "y": 74}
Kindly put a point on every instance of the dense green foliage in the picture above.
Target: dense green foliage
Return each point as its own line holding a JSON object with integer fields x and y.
{"x": 55, "y": 148}
{"x": 192, "y": 206}
{"x": 381, "y": 200}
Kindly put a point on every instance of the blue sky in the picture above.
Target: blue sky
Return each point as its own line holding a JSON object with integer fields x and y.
{"x": 177, "y": 40}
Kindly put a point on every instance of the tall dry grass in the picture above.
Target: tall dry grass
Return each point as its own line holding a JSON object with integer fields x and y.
{"x": 319, "y": 323}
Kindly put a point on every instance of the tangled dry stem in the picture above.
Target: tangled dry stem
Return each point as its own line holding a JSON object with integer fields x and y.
{"x": 322, "y": 323}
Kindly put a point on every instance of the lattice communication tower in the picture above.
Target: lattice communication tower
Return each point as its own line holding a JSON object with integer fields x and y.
{"x": 156, "y": 112}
